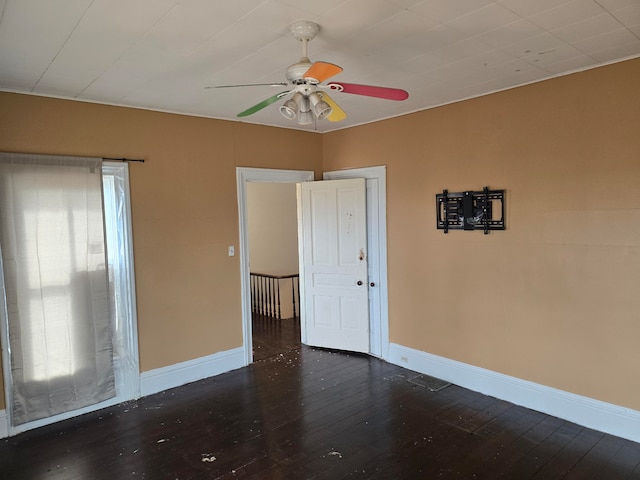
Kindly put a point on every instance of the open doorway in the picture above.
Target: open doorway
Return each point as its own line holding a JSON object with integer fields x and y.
{"x": 376, "y": 234}
{"x": 273, "y": 263}
{"x": 244, "y": 177}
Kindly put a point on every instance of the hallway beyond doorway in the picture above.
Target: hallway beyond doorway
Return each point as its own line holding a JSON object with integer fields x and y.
{"x": 273, "y": 337}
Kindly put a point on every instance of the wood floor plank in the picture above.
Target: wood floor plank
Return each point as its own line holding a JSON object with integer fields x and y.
{"x": 489, "y": 458}
{"x": 596, "y": 459}
{"x": 569, "y": 456}
{"x": 536, "y": 458}
{"x": 624, "y": 463}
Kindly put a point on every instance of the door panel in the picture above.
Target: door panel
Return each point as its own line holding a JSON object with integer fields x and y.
{"x": 334, "y": 264}
{"x": 376, "y": 242}
{"x": 321, "y": 230}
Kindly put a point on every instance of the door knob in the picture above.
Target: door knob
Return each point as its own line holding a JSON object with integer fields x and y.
{"x": 372, "y": 284}
{"x": 359, "y": 283}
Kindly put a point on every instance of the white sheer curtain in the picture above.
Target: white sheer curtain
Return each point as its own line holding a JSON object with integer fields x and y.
{"x": 56, "y": 288}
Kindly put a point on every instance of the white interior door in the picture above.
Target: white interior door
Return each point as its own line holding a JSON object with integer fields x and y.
{"x": 376, "y": 253}
{"x": 333, "y": 264}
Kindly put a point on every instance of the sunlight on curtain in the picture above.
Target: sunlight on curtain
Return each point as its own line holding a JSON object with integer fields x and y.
{"x": 115, "y": 181}
{"x": 56, "y": 287}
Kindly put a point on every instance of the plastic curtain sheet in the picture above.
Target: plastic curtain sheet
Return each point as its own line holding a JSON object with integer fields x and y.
{"x": 114, "y": 181}
{"x": 56, "y": 286}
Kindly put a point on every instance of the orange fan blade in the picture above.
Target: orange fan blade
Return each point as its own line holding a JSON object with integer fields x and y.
{"x": 337, "y": 114}
{"x": 320, "y": 71}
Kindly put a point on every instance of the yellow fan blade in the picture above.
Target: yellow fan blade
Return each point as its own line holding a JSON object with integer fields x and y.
{"x": 320, "y": 71}
{"x": 337, "y": 114}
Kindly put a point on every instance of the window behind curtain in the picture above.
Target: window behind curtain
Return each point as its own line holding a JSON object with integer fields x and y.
{"x": 57, "y": 294}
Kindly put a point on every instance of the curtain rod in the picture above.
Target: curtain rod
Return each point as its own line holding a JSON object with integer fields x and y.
{"x": 124, "y": 159}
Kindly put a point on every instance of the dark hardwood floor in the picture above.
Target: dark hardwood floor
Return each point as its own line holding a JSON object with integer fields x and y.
{"x": 272, "y": 337}
{"x": 307, "y": 413}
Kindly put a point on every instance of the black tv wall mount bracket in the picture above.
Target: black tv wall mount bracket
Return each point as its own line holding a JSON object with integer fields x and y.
{"x": 472, "y": 210}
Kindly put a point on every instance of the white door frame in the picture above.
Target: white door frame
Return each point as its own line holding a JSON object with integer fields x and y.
{"x": 245, "y": 175}
{"x": 377, "y": 234}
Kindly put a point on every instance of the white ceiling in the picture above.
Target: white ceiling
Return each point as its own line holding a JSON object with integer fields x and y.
{"x": 160, "y": 54}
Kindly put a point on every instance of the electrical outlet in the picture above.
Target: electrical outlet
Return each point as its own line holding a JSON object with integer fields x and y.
{"x": 404, "y": 359}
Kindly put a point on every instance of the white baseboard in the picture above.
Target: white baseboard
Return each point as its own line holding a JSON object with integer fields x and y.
{"x": 161, "y": 379}
{"x": 4, "y": 424}
{"x": 605, "y": 417}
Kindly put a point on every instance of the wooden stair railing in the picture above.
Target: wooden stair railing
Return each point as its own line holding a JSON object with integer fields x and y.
{"x": 265, "y": 294}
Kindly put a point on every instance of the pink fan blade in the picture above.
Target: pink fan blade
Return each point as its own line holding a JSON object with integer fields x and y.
{"x": 370, "y": 91}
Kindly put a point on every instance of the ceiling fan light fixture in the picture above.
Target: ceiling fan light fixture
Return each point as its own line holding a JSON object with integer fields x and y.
{"x": 288, "y": 110}
{"x": 305, "y": 104}
{"x": 321, "y": 109}
{"x": 305, "y": 118}
{"x": 291, "y": 107}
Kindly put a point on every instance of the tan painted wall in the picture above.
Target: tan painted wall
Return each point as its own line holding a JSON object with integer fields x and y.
{"x": 273, "y": 234}
{"x": 555, "y": 298}
{"x": 273, "y": 227}
{"x": 184, "y": 207}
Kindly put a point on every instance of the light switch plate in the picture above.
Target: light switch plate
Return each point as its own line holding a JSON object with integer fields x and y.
{"x": 232, "y": 251}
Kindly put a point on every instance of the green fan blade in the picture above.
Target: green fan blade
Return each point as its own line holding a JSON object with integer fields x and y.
{"x": 261, "y": 105}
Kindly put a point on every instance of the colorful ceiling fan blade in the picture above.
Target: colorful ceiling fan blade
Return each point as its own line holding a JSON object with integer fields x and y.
{"x": 261, "y": 105}
{"x": 320, "y": 71}
{"x": 280, "y": 84}
{"x": 370, "y": 91}
{"x": 337, "y": 114}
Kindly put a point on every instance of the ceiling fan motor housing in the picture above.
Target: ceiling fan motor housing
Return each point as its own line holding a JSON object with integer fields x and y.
{"x": 304, "y": 31}
{"x": 296, "y": 71}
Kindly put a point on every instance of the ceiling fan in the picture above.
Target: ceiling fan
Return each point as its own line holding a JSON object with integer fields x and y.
{"x": 307, "y": 98}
